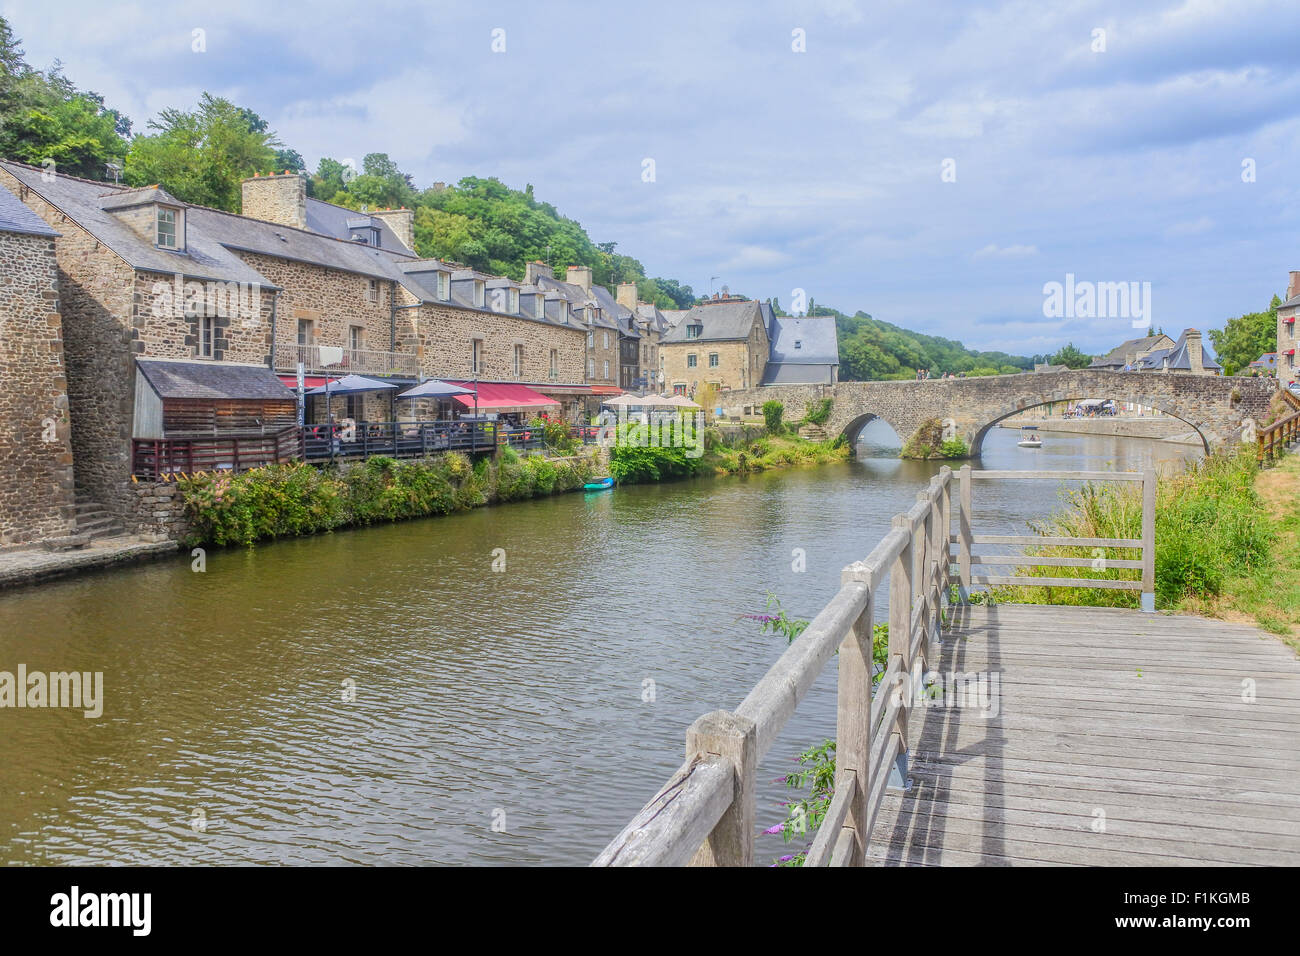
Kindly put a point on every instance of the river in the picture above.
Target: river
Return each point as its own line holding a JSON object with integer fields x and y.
{"x": 497, "y": 716}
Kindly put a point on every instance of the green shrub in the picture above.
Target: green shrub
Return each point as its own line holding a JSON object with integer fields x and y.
{"x": 818, "y": 411}
{"x": 772, "y": 412}
{"x": 954, "y": 448}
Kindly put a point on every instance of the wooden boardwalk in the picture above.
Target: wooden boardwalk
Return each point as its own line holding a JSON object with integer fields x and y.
{"x": 1115, "y": 738}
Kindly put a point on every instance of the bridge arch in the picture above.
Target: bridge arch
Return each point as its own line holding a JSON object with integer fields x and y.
{"x": 852, "y": 430}
{"x": 977, "y": 441}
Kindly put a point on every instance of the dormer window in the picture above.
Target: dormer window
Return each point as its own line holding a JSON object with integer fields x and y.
{"x": 694, "y": 331}
{"x": 539, "y": 307}
{"x": 167, "y": 228}
{"x": 512, "y": 300}
{"x": 444, "y": 285}
{"x": 479, "y": 287}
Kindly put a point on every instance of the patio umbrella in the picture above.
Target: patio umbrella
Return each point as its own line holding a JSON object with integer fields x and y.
{"x": 655, "y": 401}
{"x": 350, "y": 385}
{"x": 623, "y": 400}
{"x": 435, "y": 389}
{"x": 681, "y": 401}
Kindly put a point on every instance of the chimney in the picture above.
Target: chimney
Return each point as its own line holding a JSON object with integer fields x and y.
{"x": 580, "y": 275}
{"x": 280, "y": 198}
{"x": 1293, "y": 286}
{"x": 402, "y": 222}
{"x": 537, "y": 270}
{"x": 1194, "y": 351}
{"x": 627, "y": 295}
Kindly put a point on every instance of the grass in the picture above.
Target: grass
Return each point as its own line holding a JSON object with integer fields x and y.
{"x": 1268, "y": 594}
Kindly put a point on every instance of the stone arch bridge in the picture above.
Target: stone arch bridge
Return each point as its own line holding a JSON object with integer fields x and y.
{"x": 1215, "y": 406}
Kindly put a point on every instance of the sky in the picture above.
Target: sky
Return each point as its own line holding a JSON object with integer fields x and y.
{"x": 935, "y": 164}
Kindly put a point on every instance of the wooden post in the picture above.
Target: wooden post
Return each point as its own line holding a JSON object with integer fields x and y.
{"x": 1149, "y": 540}
{"x": 964, "y": 536}
{"x": 900, "y": 626}
{"x": 853, "y": 724}
{"x": 946, "y": 522}
{"x": 725, "y": 735}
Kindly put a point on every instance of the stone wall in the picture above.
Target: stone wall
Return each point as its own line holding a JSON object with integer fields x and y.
{"x": 37, "y": 499}
{"x": 96, "y": 299}
{"x": 1215, "y": 406}
{"x": 155, "y": 510}
{"x": 442, "y": 336}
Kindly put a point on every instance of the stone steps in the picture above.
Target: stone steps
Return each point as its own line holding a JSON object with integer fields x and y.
{"x": 96, "y": 521}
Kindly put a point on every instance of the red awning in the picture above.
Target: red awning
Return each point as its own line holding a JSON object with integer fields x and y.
{"x": 1289, "y": 319}
{"x": 1290, "y": 352}
{"x": 498, "y": 395}
{"x": 606, "y": 390}
{"x": 308, "y": 381}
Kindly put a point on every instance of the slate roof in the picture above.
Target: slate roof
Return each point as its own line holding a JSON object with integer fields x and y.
{"x": 1118, "y": 356}
{"x": 579, "y": 298}
{"x": 16, "y": 217}
{"x": 331, "y": 220}
{"x": 721, "y": 321}
{"x": 805, "y": 340}
{"x": 80, "y": 199}
{"x": 1290, "y": 303}
{"x": 213, "y": 380}
{"x": 1179, "y": 358}
{"x": 786, "y": 373}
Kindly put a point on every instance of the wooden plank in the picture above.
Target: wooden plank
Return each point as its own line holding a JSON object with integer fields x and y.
{"x": 997, "y": 579}
{"x": 1048, "y": 561}
{"x": 1060, "y": 475}
{"x": 668, "y": 830}
{"x": 1035, "y": 539}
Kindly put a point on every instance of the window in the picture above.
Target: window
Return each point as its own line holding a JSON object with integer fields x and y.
{"x": 539, "y": 307}
{"x": 356, "y": 342}
{"x": 512, "y": 300}
{"x": 207, "y": 333}
{"x": 606, "y": 375}
{"x": 444, "y": 285}
{"x": 476, "y": 356}
{"x": 645, "y": 353}
{"x": 372, "y": 290}
{"x": 306, "y": 332}
{"x": 679, "y": 389}
{"x": 555, "y": 364}
{"x": 691, "y": 361}
{"x": 694, "y": 331}
{"x": 166, "y": 227}
{"x": 591, "y": 339}
{"x": 479, "y": 287}
{"x": 591, "y": 368}
{"x": 519, "y": 361}
{"x": 798, "y": 343}
{"x": 355, "y": 408}
{"x": 605, "y": 338}
{"x": 713, "y": 360}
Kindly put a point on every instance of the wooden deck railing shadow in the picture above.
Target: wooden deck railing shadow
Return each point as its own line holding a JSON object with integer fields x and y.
{"x": 705, "y": 814}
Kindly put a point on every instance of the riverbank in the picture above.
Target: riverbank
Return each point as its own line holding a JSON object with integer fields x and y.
{"x": 31, "y": 566}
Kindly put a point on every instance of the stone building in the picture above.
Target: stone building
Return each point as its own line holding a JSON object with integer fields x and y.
{"x": 36, "y": 468}
{"x": 1187, "y": 356}
{"x": 1285, "y": 364}
{"x": 592, "y": 308}
{"x": 722, "y": 342}
{"x": 1127, "y": 355}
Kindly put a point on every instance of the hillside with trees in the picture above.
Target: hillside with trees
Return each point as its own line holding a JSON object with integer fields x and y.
{"x": 1246, "y": 338}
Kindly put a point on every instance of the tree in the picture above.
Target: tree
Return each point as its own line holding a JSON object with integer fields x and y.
{"x": 1244, "y": 339}
{"x": 201, "y": 157}
{"x": 1071, "y": 356}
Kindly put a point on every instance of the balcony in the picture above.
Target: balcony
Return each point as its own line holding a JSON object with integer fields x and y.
{"x": 322, "y": 360}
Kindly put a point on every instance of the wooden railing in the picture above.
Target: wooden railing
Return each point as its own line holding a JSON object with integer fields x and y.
{"x": 965, "y": 540}
{"x": 153, "y": 458}
{"x": 705, "y": 814}
{"x": 1274, "y": 438}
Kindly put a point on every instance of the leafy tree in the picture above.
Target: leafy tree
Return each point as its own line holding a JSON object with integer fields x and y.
{"x": 1246, "y": 338}
{"x": 202, "y": 156}
{"x": 1071, "y": 356}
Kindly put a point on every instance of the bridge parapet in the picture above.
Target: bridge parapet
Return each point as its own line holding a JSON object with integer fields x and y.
{"x": 1215, "y": 406}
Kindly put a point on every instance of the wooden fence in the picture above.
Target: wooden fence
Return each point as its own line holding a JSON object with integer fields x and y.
{"x": 705, "y": 814}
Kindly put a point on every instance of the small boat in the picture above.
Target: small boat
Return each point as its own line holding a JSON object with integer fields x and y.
{"x": 599, "y": 484}
{"x": 1029, "y": 437}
